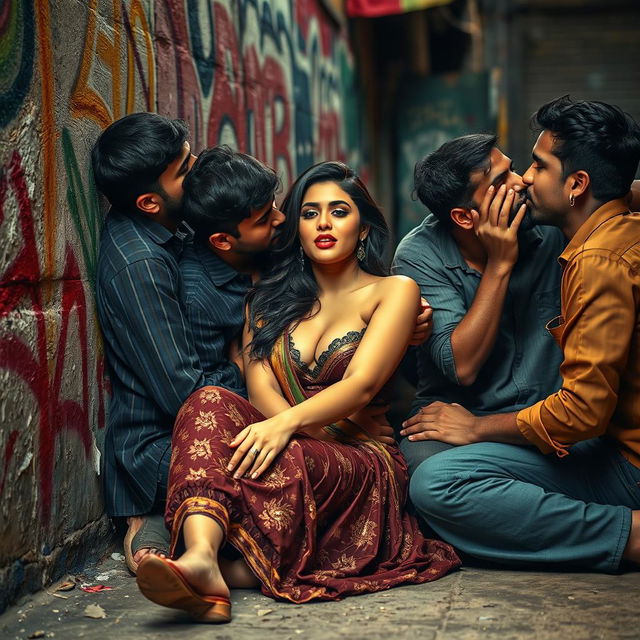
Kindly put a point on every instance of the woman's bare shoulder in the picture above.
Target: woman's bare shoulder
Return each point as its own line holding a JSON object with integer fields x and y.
{"x": 398, "y": 285}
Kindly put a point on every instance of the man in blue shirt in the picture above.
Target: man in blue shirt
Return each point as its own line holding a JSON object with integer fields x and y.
{"x": 493, "y": 283}
{"x": 139, "y": 163}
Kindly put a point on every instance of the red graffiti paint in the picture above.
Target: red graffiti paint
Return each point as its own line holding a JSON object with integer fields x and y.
{"x": 178, "y": 93}
{"x": 21, "y": 288}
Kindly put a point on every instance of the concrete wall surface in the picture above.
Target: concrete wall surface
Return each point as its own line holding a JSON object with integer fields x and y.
{"x": 271, "y": 77}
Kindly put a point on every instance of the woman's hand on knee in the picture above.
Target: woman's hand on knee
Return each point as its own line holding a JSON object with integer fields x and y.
{"x": 257, "y": 447}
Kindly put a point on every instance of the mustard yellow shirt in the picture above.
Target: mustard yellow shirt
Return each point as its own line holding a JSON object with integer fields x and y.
{"x": 599, "y": 334}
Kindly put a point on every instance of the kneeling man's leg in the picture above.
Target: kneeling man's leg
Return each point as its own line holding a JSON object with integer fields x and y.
{"x": 511, "y": 504}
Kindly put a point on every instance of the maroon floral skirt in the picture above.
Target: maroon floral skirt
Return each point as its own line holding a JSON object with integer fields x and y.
{"x": 326, "y": 520}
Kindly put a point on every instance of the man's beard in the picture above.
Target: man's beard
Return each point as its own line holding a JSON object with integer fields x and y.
{"x": 528, "y": 222}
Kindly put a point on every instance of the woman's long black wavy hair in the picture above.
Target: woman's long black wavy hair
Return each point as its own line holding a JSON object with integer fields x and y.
{"x": 287, "y": 292}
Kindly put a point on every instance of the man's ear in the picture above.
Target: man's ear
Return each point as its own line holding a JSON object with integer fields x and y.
{"x": 220, "y": 241}
{"x": 462, "y": 218}
{"x": 578, "y": 183}
{"x": 149, "y": 203}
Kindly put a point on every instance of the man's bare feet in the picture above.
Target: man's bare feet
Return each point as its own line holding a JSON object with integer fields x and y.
{"x": 146, "y": 534}
{"x": 632, "y": 550}
{"x": 199, "y": 566}
{"x": 135, "y": 522}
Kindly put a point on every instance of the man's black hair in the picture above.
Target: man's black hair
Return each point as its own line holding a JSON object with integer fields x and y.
{"x": 131, "y": 154}
{"x": 442, "y": 180}
{"x": 223, "y": 188}
{"x": 595, "y": 137}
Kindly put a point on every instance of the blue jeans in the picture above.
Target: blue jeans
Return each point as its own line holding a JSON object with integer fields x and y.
{"x": 511, "y": 504}
{"x": 417, "y": 451}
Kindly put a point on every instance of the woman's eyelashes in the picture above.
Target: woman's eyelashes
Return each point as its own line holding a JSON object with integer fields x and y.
{"x": 312, "y": 213}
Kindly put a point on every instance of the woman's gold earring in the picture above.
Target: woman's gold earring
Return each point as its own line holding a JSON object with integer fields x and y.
{"x": 301, "y": 259}
{"x": 360, "y": 252}
{"x": 572, "y": 199}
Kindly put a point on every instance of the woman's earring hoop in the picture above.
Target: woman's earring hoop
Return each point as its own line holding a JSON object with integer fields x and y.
{"x": 301, "y": 259}
{"x": 360, "y": 252}
{"x": 572, "y": 199}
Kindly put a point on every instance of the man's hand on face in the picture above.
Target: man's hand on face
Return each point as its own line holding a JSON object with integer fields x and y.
{"x": 373, "y": 420}
{"x": 424, "y": 324}
{"x": 449, "y": 423}
{"x": 491, "y": 224}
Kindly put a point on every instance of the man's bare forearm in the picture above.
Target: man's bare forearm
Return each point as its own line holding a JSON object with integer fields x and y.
{"x": 499, "y": 427}
{"x": 473, "y": 339}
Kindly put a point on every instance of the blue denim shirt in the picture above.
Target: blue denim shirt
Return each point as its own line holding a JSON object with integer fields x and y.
{"x": 523, "y": 366}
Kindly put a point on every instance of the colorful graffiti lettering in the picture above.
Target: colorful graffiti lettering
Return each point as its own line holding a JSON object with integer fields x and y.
{"x": 55, "y": 413}
{"x": 273, "y": 78}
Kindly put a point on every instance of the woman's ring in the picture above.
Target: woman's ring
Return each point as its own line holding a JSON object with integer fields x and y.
{"x": 255, "y": 451}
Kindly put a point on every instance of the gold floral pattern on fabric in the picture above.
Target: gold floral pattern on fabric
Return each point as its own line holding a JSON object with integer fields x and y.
{"x": 195, "y": 474}
{"x": 206, "y": 420}
{"x": 200, "y": 449}
{"x": 220, "y": 464}
{"x": 226, "y": 436}
{"x": 210, "y": 394}
{"x": 344, "y": 462}
{"x": 326, "y": 520}
{"x": 344, "y": 564}
{"x": 234, "y": 415}
{"x": 178, "y": 468}
{"x": 407, "y": 545}
{"x": 278, "y": 514}
{"x": 185, "y": 411}
{"x": 310, "y": 506}
{"x": 363, "y": 532}
{"x": 276, "y": 478}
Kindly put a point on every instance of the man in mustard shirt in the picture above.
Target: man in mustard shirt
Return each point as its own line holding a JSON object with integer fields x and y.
{"x": 498, "y": 499}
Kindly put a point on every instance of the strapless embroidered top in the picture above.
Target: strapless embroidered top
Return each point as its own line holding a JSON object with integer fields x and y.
{"x": 332, "y": 362}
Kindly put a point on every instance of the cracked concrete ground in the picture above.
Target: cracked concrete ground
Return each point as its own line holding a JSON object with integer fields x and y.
{"x": 470, "y": 603}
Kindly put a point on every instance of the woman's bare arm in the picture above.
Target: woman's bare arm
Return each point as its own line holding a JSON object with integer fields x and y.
{"x": 378, "y": 355}
{"x": 264, "y": 391}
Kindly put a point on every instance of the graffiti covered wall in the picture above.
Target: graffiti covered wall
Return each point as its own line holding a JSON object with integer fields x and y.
{"x": 273, "y": 78}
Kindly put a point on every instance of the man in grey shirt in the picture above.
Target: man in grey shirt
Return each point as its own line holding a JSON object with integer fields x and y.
{"x": 493, "y": 283}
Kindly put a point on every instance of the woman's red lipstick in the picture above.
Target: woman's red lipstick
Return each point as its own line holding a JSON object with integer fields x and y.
{"x": 325, "y": 241}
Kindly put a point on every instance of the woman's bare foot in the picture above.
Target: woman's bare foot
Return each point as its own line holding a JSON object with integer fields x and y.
{"x": 199, "y": 566}
{"x": 237, "y": 574}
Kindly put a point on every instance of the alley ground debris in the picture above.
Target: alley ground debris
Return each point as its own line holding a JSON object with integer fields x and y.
{"x": 470, "y": 603}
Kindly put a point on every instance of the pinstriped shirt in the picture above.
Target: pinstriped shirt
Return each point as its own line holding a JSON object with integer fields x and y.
{"x": 213, "y": 300}
{"x": 153, "y": 365}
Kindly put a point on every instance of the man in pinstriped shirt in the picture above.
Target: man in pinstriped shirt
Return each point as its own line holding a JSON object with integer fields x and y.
{"x": 139, "y": 163}
{"x": 229, "y": 202}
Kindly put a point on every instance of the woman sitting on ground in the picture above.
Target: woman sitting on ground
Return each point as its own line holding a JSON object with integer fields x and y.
{"x": 315, "y": 505}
